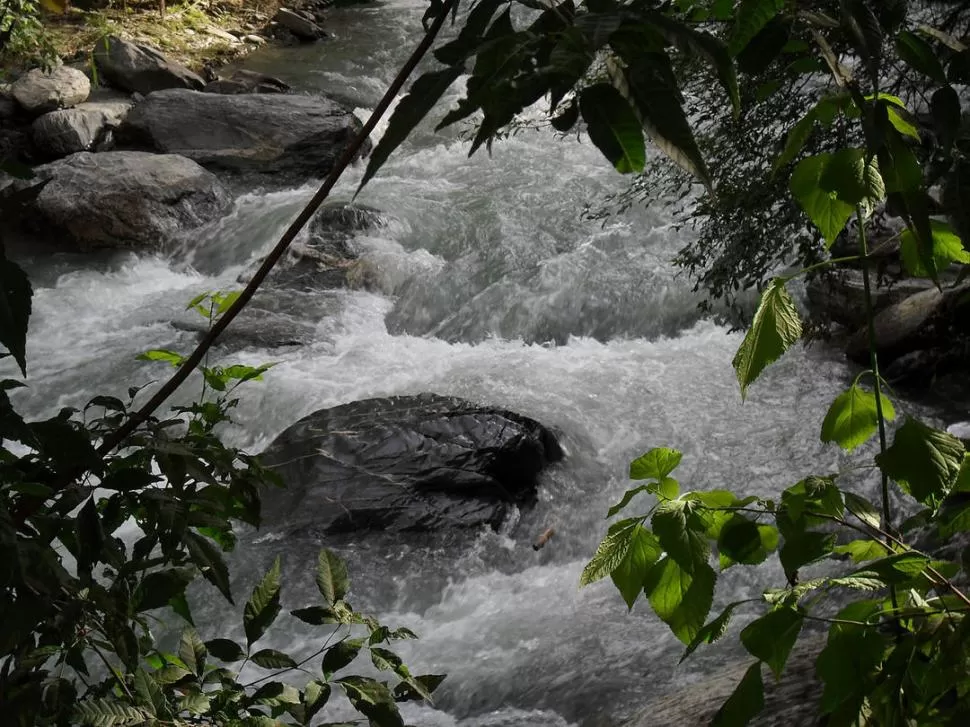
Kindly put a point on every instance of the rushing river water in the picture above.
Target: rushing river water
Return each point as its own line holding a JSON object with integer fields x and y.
{"x": 495, "y": 290}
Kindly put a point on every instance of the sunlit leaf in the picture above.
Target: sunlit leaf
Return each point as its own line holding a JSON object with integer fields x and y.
{"x": 776, "y": 327}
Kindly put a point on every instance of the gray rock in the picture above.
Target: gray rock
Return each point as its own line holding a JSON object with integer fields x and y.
{"x": 267, "y": 133}
{"x": 38, "y": 91}
{"x": 839, "y": 296}
{"x": 303, "y": 28}
{"x": 122, "y": 199}
{"x": 63, "y": 132}
{"x": 912, "y": 324}
{"x": 243, "y": 81}
{"x": 254, "y": 39}
{"x": 408, "y": 463}
{"x": 140, "y": 68}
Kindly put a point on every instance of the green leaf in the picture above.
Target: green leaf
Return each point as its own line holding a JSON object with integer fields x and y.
{"x": 797, "y": 138}
{"x": 752, "y": 17}
{"x": 850, "y": 657}
{"x": 712, "y": 631}
{"x": 682, "y": 534}
{"x": 210, "y": 562}
{"x": 90, "y": 537}
{"x": 613, "y": 127}
{"x": 776, "y": 328}
{"x": 625, "y": 500}
{"x": 863, "y": 550}
{"x": 315, "y": 697}
{"x": 898, "y": 568}
{"x": 947, "y": 248}
{"x": 161, "y": 354}
{"x": 902, "y": 121}
{"x": 272, "y": 659}
{"x": 656, "y": 464}
{"x": 332, "y": 579}
{"x": 109, "y": 713}
{"x": 803, "y": 548}
{"x": 384, "y": 659}
{"x": 148, "y": 693}
{"x": 611, "y": 552}
{"x": 743, "y": 541}
{"x": 745, "y": 702}
{"x": 682, "y": 600}
{"x": 631, "y": 573}
{"x": 192, "y": 651}
{"x": 852, "y": 419}
{"x": 771, "y": 637}
{"x": 919, "y": 55}
{"x": 924, "y": 461}
{"x": 159, "y": 587}
{"x": 16, "y": 295}
{"x": 424, "y": 94}
{"x": 263, "y": 605}
{"x": 315, "y": 615}
{"x": 194, "y": 703}
{"x": 661, "y": 114}
{"x": 947, "y": 115}
{"x": 340, "y": 655}
{"x": 372, "y": 699}
{"x": 823, "y": 207}
{"x": 852, "y": 178}
{"x": 225, "y": 650}
{"x": 418, "y": 688}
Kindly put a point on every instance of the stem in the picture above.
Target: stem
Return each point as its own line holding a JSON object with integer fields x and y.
{"x": 876, "y": 380}
{"x": 350, "y": 154}
{"x": 825, "y": 263}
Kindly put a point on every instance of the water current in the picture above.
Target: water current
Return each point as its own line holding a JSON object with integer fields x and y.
{"x": 491, "y": 287}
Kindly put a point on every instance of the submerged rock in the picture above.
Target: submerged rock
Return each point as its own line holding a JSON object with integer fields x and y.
{"x": 267, "y": 133}
{"x": 39, "y": 91}
{"x": 122, "y": 199}
{"x": 243, "y": 81}
{"x": 405, "y": 463}
{"x": 140, "y": 68}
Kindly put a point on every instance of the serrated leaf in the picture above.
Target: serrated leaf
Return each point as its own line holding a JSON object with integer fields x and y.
{"x": 611, "y": 551}
{"x": 896, "y": 569}
{"x": 682, "y": 600}
{"x": 947, "y": 248}
{"x": 853, "y": 178}
{"x": 924, "y": 461}
{"x": 315, "y": 697}
{"x": 824, "y": 207}
{"x": 625, "y": 500}
{"x": 746, "y": 701}
{"x": 316, "y": 615}
{"x": 862, "y": 509}
{"x": 340, "y": 655}
{"x": 263, "y": 605}
{"x": 149, "y": 693}
{"x": 272, "y": 659}
{"x": 16, "y": 295}
{"x": 160, "y": 354}
{"x": 613, "y": 127}
{"x": 225, "y": 650}
{"x": 796, "y": 140}
{"x": 631, "y": 573}
{"x": 159, "y": 587}
{"x": 423, "y": 95}
{"x": 752, "y": 16}
{"x": 194, "y": 703}
{"x": 803, "y": 548}
{"x": 682, "y": 534}
{"x": 862, "y": 550}
{"x": 418, "y": 688}
{"x": 384, "y": 659}
{"x": 771, "y": 637}
{"x": 740, "y": 540}
{"x": 192, "y": 651}
{"x": 656, "y": 464}
{"x": 776, "y": 327}
{"x": 372, "y": 699}
{"x": 210, "y": 562}
{"x": 713, "y": 630}
{"x": 332, "y": 579}
{"x": 852, "y": 419}
{"x": 109, "y": 713}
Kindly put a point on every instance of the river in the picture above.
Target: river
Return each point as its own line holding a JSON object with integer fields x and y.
{"x": 491, "y": 287}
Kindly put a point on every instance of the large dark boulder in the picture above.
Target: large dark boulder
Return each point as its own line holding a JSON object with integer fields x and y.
{"x": 122, "y": 199}
{"x": 141, "y": 68}
{"x": 83, "y": 128}
{"x": 268, "y": 133}
{"x": 405, "y": 463}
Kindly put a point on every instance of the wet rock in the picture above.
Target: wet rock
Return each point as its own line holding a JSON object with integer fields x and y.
{"x": 268, "y": 133}
{"x": 916, "y": 323}
{"x": 255, "y": 327}
{"x": 82, "y": 128}
{"x": 39, "y": 91}
{"x": 302, "y": 27}
{"x": 243, "y": 81}
{"x": 328, "y": 258}
{"x": 122, "y": 199}
{"x": 916, "y": 368}
{"x": 254, "y": 39}
{"x": 839, "y": 296}
{"x": 140, "y": 68}
{"x": 407, "y": 463}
